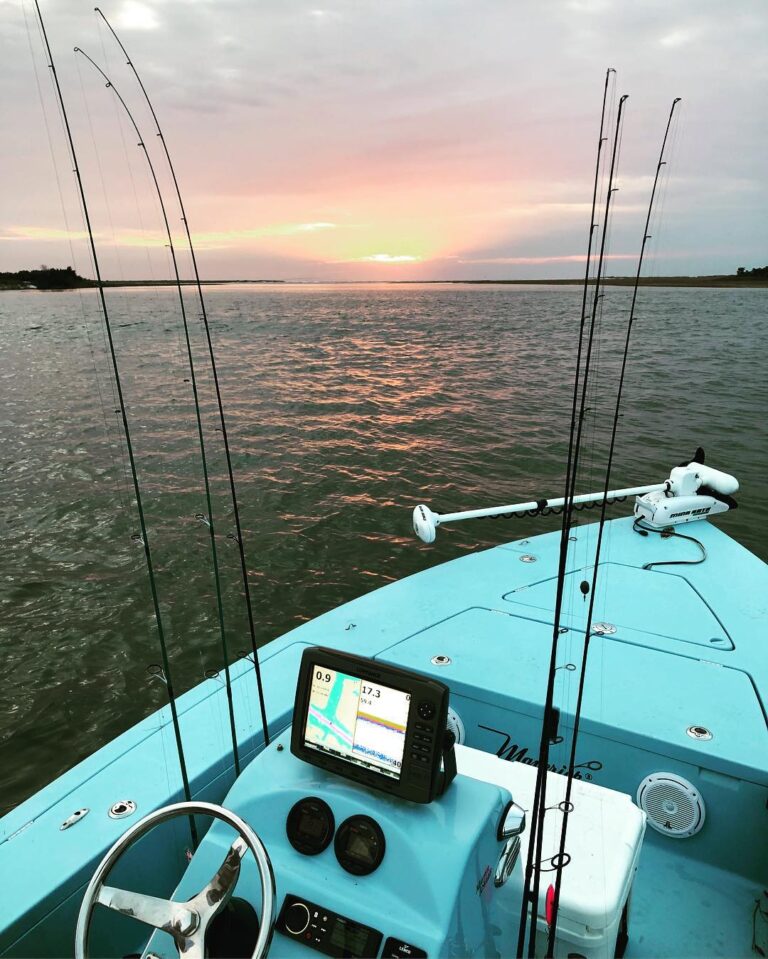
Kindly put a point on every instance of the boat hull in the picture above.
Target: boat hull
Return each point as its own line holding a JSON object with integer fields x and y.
{"x": 686, "y": 651}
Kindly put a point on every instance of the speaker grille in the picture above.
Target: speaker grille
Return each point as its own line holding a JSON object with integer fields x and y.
{"x": 674, "y": 808}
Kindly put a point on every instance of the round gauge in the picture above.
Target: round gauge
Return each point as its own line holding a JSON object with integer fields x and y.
{"x": 310, "y": 826}
{"x": 360, "y": 845}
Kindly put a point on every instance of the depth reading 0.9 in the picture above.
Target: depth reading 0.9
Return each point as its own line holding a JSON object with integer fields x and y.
{"x": 357, "y": 721}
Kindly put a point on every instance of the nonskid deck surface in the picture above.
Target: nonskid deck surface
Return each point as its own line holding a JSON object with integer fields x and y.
{"x": 685, "y": 910}
{"x": 686, "y": 645}
{"x": 688, "y": 649}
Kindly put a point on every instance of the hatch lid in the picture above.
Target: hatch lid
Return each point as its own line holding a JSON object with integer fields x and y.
{"x": 635, "y": 601}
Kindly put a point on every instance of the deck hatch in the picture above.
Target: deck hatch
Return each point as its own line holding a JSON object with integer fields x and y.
{"x": 634, "y": 694}
{"x": 634, "y": 600}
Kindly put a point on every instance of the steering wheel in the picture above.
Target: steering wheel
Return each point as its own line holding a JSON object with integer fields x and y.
{"x": 186, "y": 922}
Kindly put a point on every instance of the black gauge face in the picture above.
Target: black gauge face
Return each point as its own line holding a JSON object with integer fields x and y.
{"x": 310, "y": 826}
{"x": 360, "y": 845}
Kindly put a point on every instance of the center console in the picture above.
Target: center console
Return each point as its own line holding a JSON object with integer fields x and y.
{"x": 360, "y": 873}
{"x": 374, "y": 857}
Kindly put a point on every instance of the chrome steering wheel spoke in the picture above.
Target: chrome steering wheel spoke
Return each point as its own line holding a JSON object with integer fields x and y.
{"x": 215, "y": 895}
{"x": 175, "y": 918}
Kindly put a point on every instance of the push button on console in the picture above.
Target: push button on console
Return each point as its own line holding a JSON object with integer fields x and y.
{"x": 297, "y": 919}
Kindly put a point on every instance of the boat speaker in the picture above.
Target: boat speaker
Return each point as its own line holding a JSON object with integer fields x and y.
{"x": 673, "y": 806}
{"x": 456, "y": 726}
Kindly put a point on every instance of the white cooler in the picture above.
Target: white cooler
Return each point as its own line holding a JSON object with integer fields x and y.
{"x": 605, "y": 833}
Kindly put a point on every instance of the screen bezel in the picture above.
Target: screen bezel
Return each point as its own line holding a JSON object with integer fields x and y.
{"x": 418, "y": 782}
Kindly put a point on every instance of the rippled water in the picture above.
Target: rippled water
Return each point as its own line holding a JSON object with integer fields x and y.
{"x": 346, "y": 407}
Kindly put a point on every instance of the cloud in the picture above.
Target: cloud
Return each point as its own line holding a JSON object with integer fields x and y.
{"x": 158, "y": 238}
{"x": 41, "y": 233}
{"x": 325, "y": 15}
{"x": 133, "y": 15}
{"x": 312, "y": 227}
{"x": 537, "y": 260}
{"x": 678, "y": 38}
{"x": 211, "y": 238}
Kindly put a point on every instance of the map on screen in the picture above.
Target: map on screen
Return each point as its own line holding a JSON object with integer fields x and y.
{"x": 359, "y": 721}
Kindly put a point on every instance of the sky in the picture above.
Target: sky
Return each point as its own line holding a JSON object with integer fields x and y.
{"x": 386, "y": 139}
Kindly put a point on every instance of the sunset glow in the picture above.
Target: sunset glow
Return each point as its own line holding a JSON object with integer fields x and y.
{"x": 388, "y": 258}
{"x": 398, "y": 141}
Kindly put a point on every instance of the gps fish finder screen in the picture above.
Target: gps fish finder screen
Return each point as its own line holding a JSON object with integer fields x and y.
{"x": 356, "y": 720}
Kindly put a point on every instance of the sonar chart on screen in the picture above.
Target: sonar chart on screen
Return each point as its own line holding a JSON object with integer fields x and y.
{"x": 359, "y": 721}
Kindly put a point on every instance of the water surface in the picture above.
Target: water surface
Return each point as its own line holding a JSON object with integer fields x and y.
{"x": 346, "y": 406}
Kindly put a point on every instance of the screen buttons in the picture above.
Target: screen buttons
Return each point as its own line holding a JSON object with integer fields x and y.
{"x": 426, "y": 709}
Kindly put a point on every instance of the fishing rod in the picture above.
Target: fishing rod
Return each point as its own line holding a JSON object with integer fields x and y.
{"x": 209, "y": 521}
{"x": 535, "y": 852}
{"x": 528, "y": 902}
{"x": 217, "y": 386}
{"x": 144, "y": 536}
{"x": 566, "y": 805}
{"x": 546, "y": 732}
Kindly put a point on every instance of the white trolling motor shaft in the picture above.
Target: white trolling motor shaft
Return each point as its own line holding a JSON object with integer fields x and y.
{"x": 425, "y": 522}
{"x": 683, "y": 485}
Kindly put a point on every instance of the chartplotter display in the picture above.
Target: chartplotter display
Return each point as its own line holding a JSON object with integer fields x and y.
{"x": 374, "y": 723}
{"x": 357, "y": 720}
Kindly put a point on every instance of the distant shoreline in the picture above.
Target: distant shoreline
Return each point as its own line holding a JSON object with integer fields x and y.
{"x": 731, "y": 282}
{"x": 716, "y": 281}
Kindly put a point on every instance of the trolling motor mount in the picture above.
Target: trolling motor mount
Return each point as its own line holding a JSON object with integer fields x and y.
{"x": 692, "y": 492}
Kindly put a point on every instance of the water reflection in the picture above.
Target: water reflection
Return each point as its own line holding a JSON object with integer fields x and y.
{"x": 346, "y": 406}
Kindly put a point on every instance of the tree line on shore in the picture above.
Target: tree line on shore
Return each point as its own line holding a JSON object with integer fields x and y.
{"x": 46, "y": 278}
{"x": 65, "y": 278}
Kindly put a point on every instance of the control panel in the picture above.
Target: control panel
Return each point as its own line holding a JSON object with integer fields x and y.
{"x": 326, "y": 931}
{"x": 372, "y": 723}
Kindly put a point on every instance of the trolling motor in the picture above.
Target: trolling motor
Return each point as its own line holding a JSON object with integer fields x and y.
{"x": 692, "y": 492}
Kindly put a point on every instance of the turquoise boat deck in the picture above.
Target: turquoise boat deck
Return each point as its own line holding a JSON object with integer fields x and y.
{"x": 687, "y": 649}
